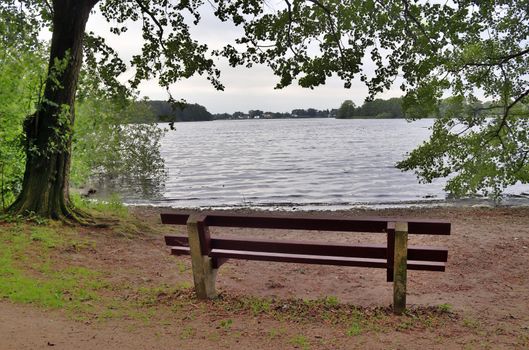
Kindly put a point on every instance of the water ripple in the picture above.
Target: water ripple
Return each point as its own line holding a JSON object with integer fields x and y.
{"x": 308, "y": 162}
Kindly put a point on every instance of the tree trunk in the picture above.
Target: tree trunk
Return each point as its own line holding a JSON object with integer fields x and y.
{"x": 45, "y": 190}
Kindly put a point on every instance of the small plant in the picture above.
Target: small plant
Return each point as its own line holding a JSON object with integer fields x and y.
{"x": 30, "y": 217}
{"x": 404, "y": 325}
{"x": 274, "y": 332}
{"x": 183, "y": 285}
{"x": 445, "y": 308}
{"x": 471, "y": 323}
{"x": 354, "y": 330}
{"x": 188, "y": 332}
{"x": 300, "y": 341}
{"x": 226, "y": 324}
{"x": 258, "y": 305}
{"x": 331, "y": 301}
{"x": 181, "y": 266}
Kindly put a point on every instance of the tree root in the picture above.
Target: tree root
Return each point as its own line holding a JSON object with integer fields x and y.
{"x": 68, "y": 214}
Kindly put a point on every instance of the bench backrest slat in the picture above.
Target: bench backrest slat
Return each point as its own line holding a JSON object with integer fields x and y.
{"x": 319, "y": 223}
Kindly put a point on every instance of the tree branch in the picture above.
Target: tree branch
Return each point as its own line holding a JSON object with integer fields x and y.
{"x": 289, "y": 30}
{"x": 407, "y": 14}
{"x": 498, "y": 61}
{"x": 152, "y": 16}
{"x": 333, "y": 31}
{"x": 48, "y": 5}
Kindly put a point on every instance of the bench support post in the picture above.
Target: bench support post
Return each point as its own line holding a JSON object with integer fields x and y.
{"x": 204, "y": 274}
{"x": 400, "y": 267}
{"x": 390, "y": 251}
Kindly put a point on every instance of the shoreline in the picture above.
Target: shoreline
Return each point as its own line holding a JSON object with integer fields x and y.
{"x": 334, "y": 210}
{"x": 508, "y": 201}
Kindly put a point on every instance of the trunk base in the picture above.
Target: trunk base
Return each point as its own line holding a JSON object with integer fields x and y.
{"x": 67, "y": 214}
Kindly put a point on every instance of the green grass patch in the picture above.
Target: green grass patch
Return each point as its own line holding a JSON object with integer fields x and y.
{"x": 300, "y": 341}
{"x": 111, "y": 206}
{"x": 355, "y": 329}
{"x": 27, "y": 272}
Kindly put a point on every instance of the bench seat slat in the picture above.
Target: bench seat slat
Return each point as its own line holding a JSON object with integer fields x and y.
{"x": 372, "y": 251}
{"x": 180, "y": 251}
{"x": 312, "y": 259}
{"x": 321, "y": 259}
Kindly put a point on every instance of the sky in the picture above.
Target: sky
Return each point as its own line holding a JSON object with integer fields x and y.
{"x": 245, "y": 89}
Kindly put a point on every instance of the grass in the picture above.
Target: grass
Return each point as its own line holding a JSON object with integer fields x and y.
{"x": 445, "y": 308}
{"x": 300, "y": 341}
{"x": 226, "y": 324}
{"x": 28, "y": 273}
{"x": 113, "y": 206}
{"x": 276, "y": 332}
{"x": 355, "y": 329}
{"x": 353, "y": 321}
{"x": 32, "y": 271}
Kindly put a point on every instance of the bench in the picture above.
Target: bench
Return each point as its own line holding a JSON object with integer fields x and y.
{"x": 208, "y": 254}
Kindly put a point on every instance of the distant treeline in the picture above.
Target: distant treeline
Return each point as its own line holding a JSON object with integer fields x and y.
{"x": 296, "y": 113}
{"x": 378, "y": 108}
{"x": 166, "y": 112}
{"x": 163, "y": 111}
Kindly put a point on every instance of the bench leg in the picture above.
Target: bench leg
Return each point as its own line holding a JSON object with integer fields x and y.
{"x": 204, "y": 274}
{"x": 400, "y": 268}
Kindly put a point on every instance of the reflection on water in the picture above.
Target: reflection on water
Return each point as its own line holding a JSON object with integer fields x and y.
{"x": 131, "y": 188}
{"x": 309, "y": 163}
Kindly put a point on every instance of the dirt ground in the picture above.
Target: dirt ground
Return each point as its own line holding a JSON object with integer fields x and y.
{"x": 485, "y": 286}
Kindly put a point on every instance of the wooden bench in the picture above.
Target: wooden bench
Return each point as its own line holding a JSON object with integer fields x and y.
{"x": 208, "y": 254}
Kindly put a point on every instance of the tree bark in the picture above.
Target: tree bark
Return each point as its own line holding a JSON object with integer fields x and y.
{"x": 45, "y": 190}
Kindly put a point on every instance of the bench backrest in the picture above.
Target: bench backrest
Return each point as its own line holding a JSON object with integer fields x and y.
{"x": 312, "y": 222}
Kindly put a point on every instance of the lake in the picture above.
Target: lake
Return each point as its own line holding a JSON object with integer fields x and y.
{"x": 295, "y": 164}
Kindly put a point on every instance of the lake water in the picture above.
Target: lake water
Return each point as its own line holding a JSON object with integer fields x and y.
{"x": 294, "y": 164}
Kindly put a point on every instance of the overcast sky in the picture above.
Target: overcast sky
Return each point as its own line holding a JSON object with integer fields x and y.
{"x": 245, "y": 89}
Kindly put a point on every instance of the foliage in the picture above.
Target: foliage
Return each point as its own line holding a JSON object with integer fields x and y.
{"x": 105, "y": 144}
{"x": 108, "y": 148}
{"x": 484, "y": 146}
{"x": 346, "y": 109}
{"x": 296, "y": 113}
{"x": 310, "y": 113}
{"x": 377, "y": 108}
{"x": 21, "y": 70}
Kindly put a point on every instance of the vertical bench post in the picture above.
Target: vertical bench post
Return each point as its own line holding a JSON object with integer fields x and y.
{"x": 199, "y": 245}
{"x": 390, "y": 250}
{"x": 400, "y": 267}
